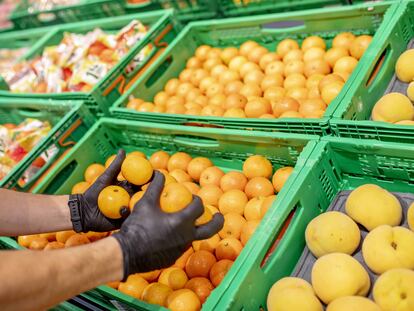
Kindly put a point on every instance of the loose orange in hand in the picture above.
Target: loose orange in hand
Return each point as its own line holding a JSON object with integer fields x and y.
{"x": 174, "y": 198}
{"x": 111, "y": 200}
{"x": 136, "y": 169}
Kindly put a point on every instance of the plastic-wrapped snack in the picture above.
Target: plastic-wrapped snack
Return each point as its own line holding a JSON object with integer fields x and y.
{"x": 8, "y": 58}
{"x": 87, "y": 72}
{"x": 45, "y": 5}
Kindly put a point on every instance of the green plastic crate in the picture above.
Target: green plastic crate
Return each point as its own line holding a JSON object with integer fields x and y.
{"x": 162, "y": 31}
{"x": 234, "y": 8}
{"x": 352, "y": 116}
{"x": 268, "y": 30}
{"x": 186, "y": 10}
{"x": 226, "y": 148}
{"x": 335, "y": 164}
{"x": 22, "y": 18}
{"x": 69, "y": 121}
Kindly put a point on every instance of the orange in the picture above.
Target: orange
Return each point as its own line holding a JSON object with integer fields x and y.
{"x": 156, "y": 293}
{"x": 179, "y": 160}
{"x": 247, "y": 47}
{"x": 208, "y": 244}
{"x": 257, "y": 166}
{"x": 247, "y": 68}
{"x": 248, "y": 230}
{"x": 48, "y": 236}
{"x": 285, "y": 46}
{"x": 211, "y": 63}
{"x": 251, "y": 89}
{"x": 150, "y": 276}
{"x": 236, "y": 63}
{"x": 175, "y": 109}
{"x": 199, "y": 264}
{"x": 197, "y": 77}
{"x": 284, "y": 104}
{"x": 298, "y": 93}
{"x": 210, "y": 194}
{"x": 333, "y": 54}
{"x": 206, "y": 217}
{"x": 345, "y": 64}
{"x": 185, "y": 87}
{"x": 206, "y": 82}
{"x": 80, "y": 187}
{"x": 255, "y": 76}
{"x": 109, "y": 161}
{"x": 359, "y": 46}
{"x": 294, "y": 66}
{"x": 252, "y": 210}
{"x": 228, "y": 248}
{"x": 175, "y": 197}
{"x": 134, "y": 286}
{"x": 214, "y": 88}
{"x": 196, "y": 166}
{"x": 212, "y": 110}
{"x": 331, "y": 91}
{"x": 229, "y": 76}
{"x": 344, "y": 75}
{"x": 93, "y": 172}
{"x": 175, "y": 278}
{"x": 313, "y": 80}
{"x": 214, "y": 53}
{"x": 233, "y": 201}
{"x": 180, "y": 262}
{"x": 280, "y": 177}
{"x": 54, "y": 245}
{"x": 171, "y": 86}
{"x": 343, "y": 40}
{"x": 235, "y": 101}
{"x": 184, "y": 76}
{"x": 290, "y": 114}
{"x": 161, "y": 98}
{"x": 111, "y": 199}
{"x": 233, "y": 180}
{"x": 211, "y": 176}
{"x": 234, "y": 113}
{"x": 257, "y": 53}
{"x": 275, "y": 67}
{"x": 183, "y": 300}
{"x": 202, "y": 52}
{"x": 257, "y": 107}
{"x": 159, "y": 160}
{"x": 134, "y": 199}
{"x": 314, "y": 93}
{"x": 316, "y": 66}
{"x": 228, "y": 54}
{"x": 218, "y": 70}
{"x": 333, "y": 77}
{"x": 180, "y": 176}
{"x": 267, "y": 59}
{"x": 38, "y": 243}
{"x": 114, "y": 285}
{"x": 313, "y": 53}
{"x": 194, "y": 63}
{"x": 159, "y": 109}
{"x": 313, "y": 41}
{"x": 274, "y": 93}
{"x": 293, "y": 55}
{"x": 192, "y": 95}
{"x": 175, "y": 100}
{"x": 267, "y": 116}
{"x": 202, "y": 287}
{"x": 212, "y": 209}
{"x": 168, "y": 178}
{"x": 62, "y": 236}
{"x": 273, "y": 80}
{"x": 146, "y": 107}
{"x": 233, "y": 87}
{"x": 76, "y": 240}
{"x": 259, "y": 186}
{"x": 134, "y": 103}
{"x": 294, "y": 80}
{"x": 219, "y": 271}
{"x": 136, "y": 169}
{"x": 233, "y": 224}
{"x": 95, "y": 236}
{"x": 309, "y": 106}
{"x": 194, "y": 111}
{"x": 192, "y": 187}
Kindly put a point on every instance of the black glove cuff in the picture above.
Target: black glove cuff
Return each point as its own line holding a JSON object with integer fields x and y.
{"x": 75, "y": 212}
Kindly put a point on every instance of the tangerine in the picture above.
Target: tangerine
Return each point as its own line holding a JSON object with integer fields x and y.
{"x": 156, "y": 293}
{"x": 111, "y": 200}
{"x": 232, "y": 201}
{"x": 259, "y": 186}
{"x": 257, "y": 166}
{"x": 76, "y": 240}
{"x": 183, "y": 300}
{"x": 219, "y": 271}
{"x": 136, "y": 169}
{"x": 211, "y": 176}
{"x": 80, "y": 187}
{"x": 233, "y": 180}
{"x": 228, "y": 248}
{"x": 207, "y": 244}
{"x": 248, "y": 230}
{"x": 210, "y": 194}
{"x": 281, "y": 176}
{"x": 199, "y": 264}
{"x": 134, "y": 286}
{"x": 93, "y": 171}
{"x": 175, "y": 278}
{"x": 159, "y": 160}
{"x": 252, "y": 210}
{"x": 192, "y": 187}
{"x": 179, "y": 160}
{"x": 202, "y": 287}
{"x": 233, "y": 224}
{"x": 180, "y": 176}
{"x": 174, "y": 198}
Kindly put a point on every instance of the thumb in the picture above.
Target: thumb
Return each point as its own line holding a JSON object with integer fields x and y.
{"x": 155, "y": 188}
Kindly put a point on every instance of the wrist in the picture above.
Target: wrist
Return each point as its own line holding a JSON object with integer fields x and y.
{"x": 74, "y": 208}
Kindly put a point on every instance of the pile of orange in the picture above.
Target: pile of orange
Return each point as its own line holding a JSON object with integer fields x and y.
{"x": 294, "y": 81}
{"x": 243, "y": 197}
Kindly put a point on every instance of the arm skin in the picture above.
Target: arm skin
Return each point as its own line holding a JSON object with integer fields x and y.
{"x": 26, "y": 213}
{"x": 37, "y": 280}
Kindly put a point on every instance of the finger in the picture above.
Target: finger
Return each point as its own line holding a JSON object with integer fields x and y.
{"x": 110, "y": 174}
{"x": 152, "y": 194}
{"x": 211, "y": 228}
{"x": 194, "y": 210}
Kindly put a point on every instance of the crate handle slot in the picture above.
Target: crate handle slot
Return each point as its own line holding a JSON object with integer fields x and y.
{"x": 31, "y": 113}
{"x": 196, "y": 141}
{"x": 377, "y": 72}
{"x": 161, "y": 69}
{"x": 283, "y": 26}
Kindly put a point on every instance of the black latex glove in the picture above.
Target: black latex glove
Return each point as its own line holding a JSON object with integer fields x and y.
{"x": 90, "y": 217}
{"x": 151, "y": 239}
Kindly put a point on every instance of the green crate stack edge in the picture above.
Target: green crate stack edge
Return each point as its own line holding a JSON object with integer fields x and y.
{"x": 84, "y": 10}
{"x": 69, "y": 120}
{"x": 335, "y": 164}
{"x": 351, "y": 118}
{"x": 360, "y": 19}
{"x": 233, "y": 8}
{"x": 226, "y": 148}
{"x": 162, "y": 31}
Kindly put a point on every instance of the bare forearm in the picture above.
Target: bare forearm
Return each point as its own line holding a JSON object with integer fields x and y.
{"x": 39, "y": 280}
{"x": 25, "y": 213}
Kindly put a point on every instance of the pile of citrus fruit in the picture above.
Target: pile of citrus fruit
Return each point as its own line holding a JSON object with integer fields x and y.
{"x": 294, "y": 81}
{"x": 343, "y": 256}
{"x": 243, "y": 197}
{"x": 395, "y": 107}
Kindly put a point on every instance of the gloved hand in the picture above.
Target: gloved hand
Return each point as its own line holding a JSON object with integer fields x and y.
{"x": 85, "y": 213}
{"x": 151, "y": 239}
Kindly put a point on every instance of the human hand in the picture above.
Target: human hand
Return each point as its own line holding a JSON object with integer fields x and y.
{"x": 151, "y": 239}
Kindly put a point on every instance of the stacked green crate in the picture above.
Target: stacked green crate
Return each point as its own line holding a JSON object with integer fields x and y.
{"x": 69, "y": 121}
{"x": 162, "y": 30}
{"x": 374, "y": 79}
{"x": 334, "y": 165}
{"x": 268, "y": 30}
